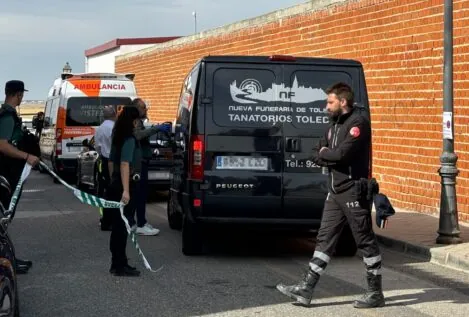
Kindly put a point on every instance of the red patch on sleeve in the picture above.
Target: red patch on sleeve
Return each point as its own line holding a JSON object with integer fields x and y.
{"x": 355, "y": 132}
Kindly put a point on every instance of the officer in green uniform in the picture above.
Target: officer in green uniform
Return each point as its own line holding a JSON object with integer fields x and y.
{"x": 12, "y": 159}
{"x": 125, "y": 167}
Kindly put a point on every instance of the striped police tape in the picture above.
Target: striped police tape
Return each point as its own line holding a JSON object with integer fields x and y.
{"x": 86, "y": 199}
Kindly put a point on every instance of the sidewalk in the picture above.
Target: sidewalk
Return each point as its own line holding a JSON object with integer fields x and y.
{"x": 415, "y": 233}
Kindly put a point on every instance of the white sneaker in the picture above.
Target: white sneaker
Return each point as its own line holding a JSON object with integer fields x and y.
{"x": 147, "y": 230}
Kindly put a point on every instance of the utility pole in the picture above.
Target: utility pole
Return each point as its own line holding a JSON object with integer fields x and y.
{"x": 448, "y": 231}
{"x": 194, "y": 13}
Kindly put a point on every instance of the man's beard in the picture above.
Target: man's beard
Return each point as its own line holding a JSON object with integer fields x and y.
{"x": 333, "y": 115}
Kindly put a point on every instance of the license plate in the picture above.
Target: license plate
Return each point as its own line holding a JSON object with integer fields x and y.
{"x": 158, "y": 175}
{"x": 242, "y": 163}
{"x": 74, "y": 149}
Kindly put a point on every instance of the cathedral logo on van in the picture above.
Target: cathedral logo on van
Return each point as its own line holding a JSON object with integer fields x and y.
{"x": 250, "y": 91}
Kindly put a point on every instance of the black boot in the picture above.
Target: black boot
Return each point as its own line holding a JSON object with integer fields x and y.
{"x": 125, "y": 271}
{"x": 125, "y": 264}
{"x": 113, "y": 268}
{"x": 374, "y": 295}
{"x": 303, "y": 291}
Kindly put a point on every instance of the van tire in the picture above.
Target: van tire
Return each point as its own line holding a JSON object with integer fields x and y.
{"x": 346, "y": 245}
{"x": 17, "y": 304}
{"x": 174, "y": 217}
{"x": 192, "y": 243}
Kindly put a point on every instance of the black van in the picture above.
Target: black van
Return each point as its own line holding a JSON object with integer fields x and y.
{"x": 244, "y": 131}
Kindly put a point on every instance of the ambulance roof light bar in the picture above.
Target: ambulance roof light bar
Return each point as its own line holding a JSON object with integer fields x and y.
{"x": 129, "y": 76}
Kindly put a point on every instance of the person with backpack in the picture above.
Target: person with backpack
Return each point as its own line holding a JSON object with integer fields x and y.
{"x": 15, "y": 148}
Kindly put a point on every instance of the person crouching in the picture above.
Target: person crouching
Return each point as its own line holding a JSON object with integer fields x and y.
{"x": 124, "y": 168}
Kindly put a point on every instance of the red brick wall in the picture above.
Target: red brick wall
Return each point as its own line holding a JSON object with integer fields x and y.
{"x": 400, "y": 45}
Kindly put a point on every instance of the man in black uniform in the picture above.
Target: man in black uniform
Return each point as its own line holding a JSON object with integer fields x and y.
{"x": 345, "y": 151}
{"x": 12, "y": 154}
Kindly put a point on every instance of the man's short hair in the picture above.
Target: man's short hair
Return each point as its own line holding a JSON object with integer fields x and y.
{"x": 342, "y": 91}
{"x": 109, "y": 112}
{"x": 136, "y": 102}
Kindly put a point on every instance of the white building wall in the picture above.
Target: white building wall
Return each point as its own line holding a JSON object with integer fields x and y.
{"x": 105, "y": 62}
{"x": 102, "y": 63}
{"x": 133, "y": 48}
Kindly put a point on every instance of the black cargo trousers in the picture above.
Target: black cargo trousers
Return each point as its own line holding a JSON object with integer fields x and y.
{"x": 104, "y": 180}
{"x": 355, "y": 209}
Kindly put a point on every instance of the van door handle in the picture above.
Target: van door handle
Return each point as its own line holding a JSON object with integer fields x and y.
{"x": 288, "y": 146}
{"x": 293, "y": 145}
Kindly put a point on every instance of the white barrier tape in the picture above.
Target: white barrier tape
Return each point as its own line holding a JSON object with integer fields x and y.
{"x": 86, "y": 199}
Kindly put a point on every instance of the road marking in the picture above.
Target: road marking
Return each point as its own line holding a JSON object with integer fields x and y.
{"x": 33, "y": 190}
{"x": 43, "y": 213}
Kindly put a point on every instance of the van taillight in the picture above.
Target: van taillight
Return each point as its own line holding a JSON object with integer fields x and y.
{"x": 282, "y": 58}
{"x": 196, "y": 157}
{"x": 58, "y": 144}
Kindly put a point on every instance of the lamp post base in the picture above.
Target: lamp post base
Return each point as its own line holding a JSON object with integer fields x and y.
{"x": 448, "y": 231}
{"x": 444, "y": 239}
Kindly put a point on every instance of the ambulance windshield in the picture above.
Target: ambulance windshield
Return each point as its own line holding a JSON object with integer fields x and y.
{"x": 88, "y": 111}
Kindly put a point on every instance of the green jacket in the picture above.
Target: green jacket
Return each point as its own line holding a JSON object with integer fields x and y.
{"x": 129, "y": 152}
{"x": 10, "y": 130}
{"x": 10, "y": 125}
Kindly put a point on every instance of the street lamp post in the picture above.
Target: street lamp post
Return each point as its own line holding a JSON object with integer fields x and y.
{"x": 194, "y": 13}
{"x": 67, "y": 69}
{"x": 448, "y": 231}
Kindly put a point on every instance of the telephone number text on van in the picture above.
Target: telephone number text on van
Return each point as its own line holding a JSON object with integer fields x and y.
{"x": 301, "y": 163}
{"x": 273, "y": 118}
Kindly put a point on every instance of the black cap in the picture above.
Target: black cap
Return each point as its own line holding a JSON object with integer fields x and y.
{"x": 14, "y": 86}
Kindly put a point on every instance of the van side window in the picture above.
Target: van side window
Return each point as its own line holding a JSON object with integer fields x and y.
{"x": 54, "y": 110}
{"x": 186, "y": 100}
{"x": 248, "y": 98}
{"x": 47, "y": 121}
{"x": 258, "y": 98}
{"x": 308, "y": 96}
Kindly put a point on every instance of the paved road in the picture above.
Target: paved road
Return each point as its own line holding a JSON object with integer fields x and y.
{"x": 71, "y": 261}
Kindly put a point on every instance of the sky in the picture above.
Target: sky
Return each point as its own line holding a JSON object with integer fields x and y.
{"x": 39, "y": 37}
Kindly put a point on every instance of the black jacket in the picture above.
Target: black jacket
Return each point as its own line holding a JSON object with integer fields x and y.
{"x": 348, "y": 143}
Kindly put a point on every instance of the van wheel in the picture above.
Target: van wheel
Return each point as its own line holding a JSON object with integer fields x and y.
{"x": 174, "y": 217}
{"x": 192, "y": 243}
{"x": 346, "y": 245}
{"x": 17, "y": 305}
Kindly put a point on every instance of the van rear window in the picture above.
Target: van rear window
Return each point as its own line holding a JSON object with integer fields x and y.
{"x": 258, "y": 98}
{"x": 88, "y": 111}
